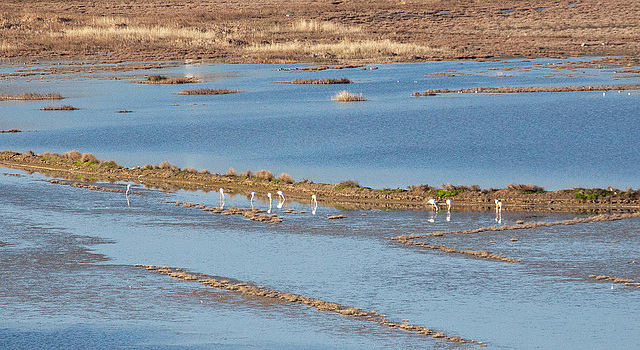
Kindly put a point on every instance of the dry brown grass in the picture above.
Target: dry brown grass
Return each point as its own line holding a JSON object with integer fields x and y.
{"x": 161, "y": 79}
{"x": 208, "y": 92}
{"x": 59, "y": 108}
{"x": 326, "y": 81}
{"x": 382, "y": 31}
{"x": 31, "y": 97}
{"x": 346, "y": 96}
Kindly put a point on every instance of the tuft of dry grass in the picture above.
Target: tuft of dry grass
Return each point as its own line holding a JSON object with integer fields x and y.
{"x": 232, "y": 172}
{"x": 264, "y": 174}
{"x": 59, "y": 108}
{"x": 284, "y": 177}
{"x": 346, "y": 96}
{"x": 208, "y": 92}
{"x": 31, "y": 97}
{"x": 247, "y": 173}
{"x": 325, "y": 81}
{"x": 161, "y": 79}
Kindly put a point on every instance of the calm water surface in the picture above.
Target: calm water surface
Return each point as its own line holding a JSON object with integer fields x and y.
{"x": 68, "y": 276}
{"x": 556, "y": 140}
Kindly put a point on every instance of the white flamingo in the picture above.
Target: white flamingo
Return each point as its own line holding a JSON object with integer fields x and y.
{"x": 253, "y": 194}
{"x": 448, "y": 204}
{"x": 269, "y": 195}
{"x": 433, "y": 204}
{"x": 128, "y": 190}
{"x": 498, "y": 206}
{"x": 222, "y": 198}
{"x": 281, "y": 200}
{"x": 314, "y": 200}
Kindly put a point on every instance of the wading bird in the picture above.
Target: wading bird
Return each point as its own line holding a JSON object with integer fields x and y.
{"x": 314, "y": 200}
{"x": 221, "y": 197}
{"x": 433, "y": 203}
{"x": 128, "y": 190}
{"x": 269, "y": 195}
{"x": 281, "y": 200}
{"x": 498, "y": 206}
{"x": 448, "y": 204}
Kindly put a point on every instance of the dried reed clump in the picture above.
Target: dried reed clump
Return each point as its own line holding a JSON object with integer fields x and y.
{"x": 208, "y": 92}
{"x": 31, "y": 97}
{"x": 247, "y": 173}
{"x": 347, "y": 184}
{"x": 326, "y": 81}
{"x": 190, "y": 170}
{"x": 59, "y": 108}
{"x": 264, "y": 174}
{"x": 232, "y": 172}
{"x": 284, "y": 177}
{"x": 161, "y": 79}
{"x": 346, "y": 96}
{"x": 88, "y": 157}
{"x": 525, "y": 188}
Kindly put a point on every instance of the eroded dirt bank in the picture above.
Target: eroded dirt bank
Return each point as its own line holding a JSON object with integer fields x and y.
{"x": 347, "y": 194}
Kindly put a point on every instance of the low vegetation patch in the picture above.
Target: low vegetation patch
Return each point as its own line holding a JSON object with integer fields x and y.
{"x": 528, "y": 188}
{"x": 346, "y": 96}
{"x": 31, "y": 97}
{"x": 390, "y": 191}
{"x": 442, "y": 193}
{"x": 59, "y": 108}
{"x": 347, "y": 184}
{"x": 208, "y": 92}
{"x": 326, "y": 81}
{"x": 161, "y": 79}
{"x": 10, "y": 131}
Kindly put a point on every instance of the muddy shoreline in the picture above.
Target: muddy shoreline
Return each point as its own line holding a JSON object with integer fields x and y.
{"x": 345, "y": 195}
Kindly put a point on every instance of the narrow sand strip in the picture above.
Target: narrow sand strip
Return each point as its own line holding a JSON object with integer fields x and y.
{"x": 245, "y": 288}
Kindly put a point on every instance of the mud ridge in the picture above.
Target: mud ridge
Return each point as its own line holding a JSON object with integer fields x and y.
{"x": 253, "y": 214}
{"x": 248, "y": 289}
{"x": 596, "y": 218}
{"x": 613, "y": 279}
{"x": 481, "y": 254}
{"x": 521, "y": 89}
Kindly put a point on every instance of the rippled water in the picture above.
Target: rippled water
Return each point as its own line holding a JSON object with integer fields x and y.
{"x": 556, "y": 140}
{"x": 68, "y": 275}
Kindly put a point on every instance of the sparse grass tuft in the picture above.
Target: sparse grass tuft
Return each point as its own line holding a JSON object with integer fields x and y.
{"x": 208, "y": 92}
{"x": 247, "y": 173}
{"x": 346, "y": 96}
{"x": 232, "y": 172}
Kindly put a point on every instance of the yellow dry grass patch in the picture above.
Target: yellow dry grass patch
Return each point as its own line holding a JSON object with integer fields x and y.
{"x": 347, "y": 49}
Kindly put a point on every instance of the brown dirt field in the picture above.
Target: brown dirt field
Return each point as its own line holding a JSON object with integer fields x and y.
{"x": 378, "y": 31}
{"x": 85, "y": 167}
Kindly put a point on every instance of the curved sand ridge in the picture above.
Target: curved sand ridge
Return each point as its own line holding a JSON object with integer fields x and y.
{"x": 245, "y": 288}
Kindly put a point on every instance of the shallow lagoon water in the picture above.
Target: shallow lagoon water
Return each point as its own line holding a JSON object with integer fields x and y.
{"x": 555, "y": 140}
{"x": 70, "y": 255}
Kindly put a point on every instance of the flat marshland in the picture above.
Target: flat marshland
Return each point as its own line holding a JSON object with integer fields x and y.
{"x": 496, "y": 213}
{"x": 302, "y": 31}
